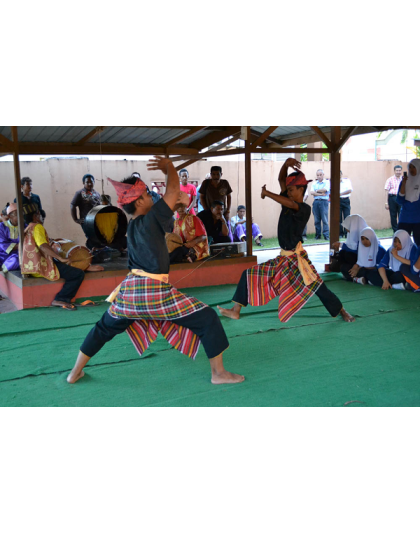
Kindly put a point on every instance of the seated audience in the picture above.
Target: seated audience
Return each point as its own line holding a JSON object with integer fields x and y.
{"x": 9, "y": 239}
{"x": 389, "y": 273}
{"x": 410, "y": 269}
{"x": 193, "y": 238}
{"x": 30, "y": 201}
{"x": 42, "y": 261}
{"x": 354, "y": 224}
{"x": 217, "y": 228}
{"x": 370, "y": 253}
{"x": 238, "y": 227}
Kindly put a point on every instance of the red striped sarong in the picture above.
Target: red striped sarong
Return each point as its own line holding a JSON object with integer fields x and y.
{"x": 153, "y": 304}
{"x": 281, "y": 277}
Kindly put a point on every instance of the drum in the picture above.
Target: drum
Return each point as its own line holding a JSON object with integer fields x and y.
{"x": 105, "y": 226}
{"x": 79, "y": 257}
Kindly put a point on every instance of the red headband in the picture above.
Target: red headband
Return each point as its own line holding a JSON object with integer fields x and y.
{"x": 127, "y": 193}
{"x": 297, "y": 179}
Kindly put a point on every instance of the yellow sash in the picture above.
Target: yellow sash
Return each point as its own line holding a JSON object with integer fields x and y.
{"x": 139, "y": 272}
{"x": 309, "y": 277}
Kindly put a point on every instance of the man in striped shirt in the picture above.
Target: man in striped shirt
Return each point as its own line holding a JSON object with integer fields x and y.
{"x": 391, "y": 187}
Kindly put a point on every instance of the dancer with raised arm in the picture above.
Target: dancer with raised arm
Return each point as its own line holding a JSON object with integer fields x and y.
{"x": 145, "y": 303}
{"x": 290, "y": 276}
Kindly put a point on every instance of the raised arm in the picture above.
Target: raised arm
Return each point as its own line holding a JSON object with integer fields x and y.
{"x": 171, "y": 196}
{"x": 290, "y": 162}
{"x": 284, "y": 201}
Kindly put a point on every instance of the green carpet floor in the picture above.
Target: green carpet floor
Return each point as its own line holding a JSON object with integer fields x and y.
{"x": 313, "y": 360}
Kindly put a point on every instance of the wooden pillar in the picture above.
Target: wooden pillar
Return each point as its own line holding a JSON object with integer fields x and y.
{"x": 18, "y": 191}
{"x": 248, "y": 191}
{"x": 335, "y": 185}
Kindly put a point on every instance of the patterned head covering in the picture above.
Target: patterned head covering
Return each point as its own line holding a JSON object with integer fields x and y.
{"x": 127, "y": 193}
{"x": 297, "y": 178}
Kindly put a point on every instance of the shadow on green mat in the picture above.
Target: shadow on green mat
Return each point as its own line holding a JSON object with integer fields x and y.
{"x": 313, "y": 360}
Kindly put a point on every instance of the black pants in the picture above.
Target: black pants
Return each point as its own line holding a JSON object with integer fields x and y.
{"x": 331, "y": 302}
{"x": 204, "y": 323}
{"x": 177, "y": 255}
{"x": 345, "y": 268}
{"x": 73, "y": 277}
{"x": 394, "y": 211}
{"x": 344, "y": 212}
{"x": 411, "y": 228}
{"x": 373, "y": 276}
{"x": 222, "y": 239}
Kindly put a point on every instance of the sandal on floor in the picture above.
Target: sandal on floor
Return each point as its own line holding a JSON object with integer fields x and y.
{"x": 69, "y": 306}
{"x": 88, "y": 304}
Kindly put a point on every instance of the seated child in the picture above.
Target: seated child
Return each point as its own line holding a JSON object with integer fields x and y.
{"x": 347, "y": 256}
{"x": 389, "y": 274}
{"x": 369, "y": 254}
{"x": 238, "y": 227}
{"x": 409, "y": 258}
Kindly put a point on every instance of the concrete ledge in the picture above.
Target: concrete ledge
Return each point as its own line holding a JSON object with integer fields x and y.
{"x": 39, "y": 292}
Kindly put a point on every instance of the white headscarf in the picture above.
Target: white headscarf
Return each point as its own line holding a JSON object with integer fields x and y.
{"x": 412, "y": 185}
{"x": 406, "y": 244}
{"x": 366, "y": 256}
{"x": 354, "y": 224}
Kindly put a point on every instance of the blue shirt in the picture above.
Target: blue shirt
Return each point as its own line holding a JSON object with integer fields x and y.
{"x": 325, "y": 184}
{"x": 345, "y": 247}
{"x": 385, "y": 260}
{"x": 410, "y": 212}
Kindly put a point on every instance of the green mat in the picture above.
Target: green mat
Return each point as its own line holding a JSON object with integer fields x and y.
{"x": 313, "y": 360}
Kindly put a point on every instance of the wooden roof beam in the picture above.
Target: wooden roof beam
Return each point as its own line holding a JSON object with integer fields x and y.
{"x": 269, "y": 138}
{"x": 216, "y": 148}
{"x": 321, "y": 135}
{"x": 345, "y": 138}
{"x": 110, "y": 149}
{"x": 263, "y": 136}
{"x": 184, "y": 136}
{"x": 6, "y": 143}
{"x": 215, "y": 137}
{"x": 187, "y": 164}
{"x": 93, "y": 133}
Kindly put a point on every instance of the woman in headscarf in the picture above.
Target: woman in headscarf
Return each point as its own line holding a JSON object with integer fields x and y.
{"x": 369, "y": 255}
{"x": 347, "y": 256}
{"x": 408, "y": 199}
{"x": 389, "y": 273}
{"x": 193, "y": 234}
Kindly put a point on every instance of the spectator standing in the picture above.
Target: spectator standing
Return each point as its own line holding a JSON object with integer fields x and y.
{"x": 199, "y": 206}
{"x": 31, "y": 203}
{"x": 345, "y": 192}
{"x": 392, "y": 186}
{"x": 190, "y": 189}
{"x": 320, "y": 190}
{"x": 408, "y": 198}
{"x": 216, "y": 189}
{"x": 85, "y": 199}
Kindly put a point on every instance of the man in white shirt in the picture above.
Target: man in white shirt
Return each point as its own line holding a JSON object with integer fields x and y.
{"x": 345, "y": 192}
{"x": 320, "y": 190}
{"x": 391, "y": 191}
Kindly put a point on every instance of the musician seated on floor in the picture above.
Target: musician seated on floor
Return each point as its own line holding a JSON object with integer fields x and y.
{"x": 40, "y": 260}
{"x": 188, "y": 242}
{"x": 217, "y": 228}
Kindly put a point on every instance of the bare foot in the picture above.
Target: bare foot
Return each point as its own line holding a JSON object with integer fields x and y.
{"x": 226, "y": 378}
{"x": 346, "y": 316}
{"x": 95, "y": 268}
{"x": 72, "y": 378}
{"x": 232, "y": 314}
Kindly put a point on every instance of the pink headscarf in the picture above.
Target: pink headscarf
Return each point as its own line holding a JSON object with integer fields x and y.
{"x": 297, "y": 179}
{"x": 127, "y": 193}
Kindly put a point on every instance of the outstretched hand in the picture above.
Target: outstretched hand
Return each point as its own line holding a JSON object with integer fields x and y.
{"x": 263, "y": 191}
{"x": 159, "y": 163}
